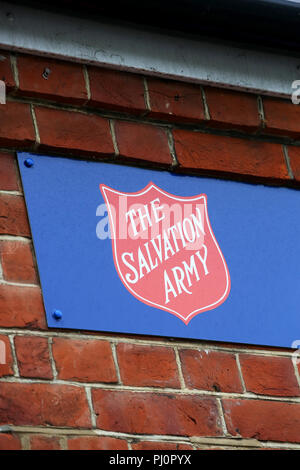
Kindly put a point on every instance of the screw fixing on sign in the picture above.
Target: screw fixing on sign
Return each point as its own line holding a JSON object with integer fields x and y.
{"x": 28, "y": 162}
{"x": 57, "y": 315}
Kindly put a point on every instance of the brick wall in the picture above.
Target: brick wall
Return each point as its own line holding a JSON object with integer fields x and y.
{"x": 74, "y": 390}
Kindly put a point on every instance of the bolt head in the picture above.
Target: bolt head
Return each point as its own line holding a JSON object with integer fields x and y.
{"x": 46, "y": 73}
{"x": 57, "y": 315}
{"x": 28, "y": 162}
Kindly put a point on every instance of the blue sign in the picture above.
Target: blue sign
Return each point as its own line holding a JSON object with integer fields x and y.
{"x": 132, "y": 250}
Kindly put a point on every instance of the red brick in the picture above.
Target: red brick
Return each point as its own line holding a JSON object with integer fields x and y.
{"x": 232, "y": 110}
{"x": 9, "y": 442}
{"x": 84, "y": 360}
{"x": 175, "y": 101}
{"x": 264, "y": 420}
{"x": 33, "y": 357}
{"x": 6, "y": 73}
{"x": 96, "y": 443}
{"x": 13, "y": 215}
{"x": 16, "y": 126}
{"x": 151, "y": 413}
{"x": 154, "y": 445}
{"x": 147, "y": 366}
{"x": 142, "y": 142}
{"x": 8, "y": 175}
{"x": 294, "y": 157}
{"x": 23, "y": 404}
{"x": 282, "y": 117}
{"x": 210, "y": 370}
{"x": 17, "y": 261}
{"x": 21, "y": 307}
{"x": 119, "y": 91}
{"x": 65, "y": 82}
{"x": 6, "y": 357}
{"x": 269, "y": 375}
{"x": 74, "y": 132}
{"x": 227, "y": 155}
{"x": 44, "y": 443}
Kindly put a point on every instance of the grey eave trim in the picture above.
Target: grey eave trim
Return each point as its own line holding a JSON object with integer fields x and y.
{"x": 54, "y": 35}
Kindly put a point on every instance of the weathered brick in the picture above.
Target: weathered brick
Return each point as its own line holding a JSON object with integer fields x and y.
{"x": 282, "y": 117}
{"x": 6, "y": 359}
{"x": 173, "y": 100}
{"x": 96, "y": 443}
{"x": 150, "y": 413}
{"x": 64, "y": 81}
{"x": 33, "y": 357}
{"x": 264, "y": 420}
{"x": 16, "y": 125}
{"x": 42, "y": 442}
{"x": 221, "y": 154}
{"x": 156, "y": 445}
{"x": 294, "y": 157}
{"x": 147, "y": 365}
{"x": 17, "y": 261}
{"x": 23, "y": 404}
{"x": 210, "y": 370}
{"x": 21, "y": 307}
{"x": 84, "y": 360}
{"x": 269, "y": 375}
{"x": 119, "y": 91}
{"x": 13, "y": 215}
{"x": 9, "y": 442}
{"x": 6, "y": 73}
{"x": 9, "y": 180}
{"x": 232, "y": 110}
{"x": 142, "y": 142}
{"x": 74, "y": 132}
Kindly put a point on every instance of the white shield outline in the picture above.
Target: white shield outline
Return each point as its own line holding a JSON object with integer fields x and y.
{"x": 104, "y": 189}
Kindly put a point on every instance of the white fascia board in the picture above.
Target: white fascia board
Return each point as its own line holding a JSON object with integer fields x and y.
{"x": 92, "y": 42}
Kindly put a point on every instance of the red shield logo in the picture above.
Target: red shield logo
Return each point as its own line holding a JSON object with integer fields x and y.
{"x": 165, "y": 251}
